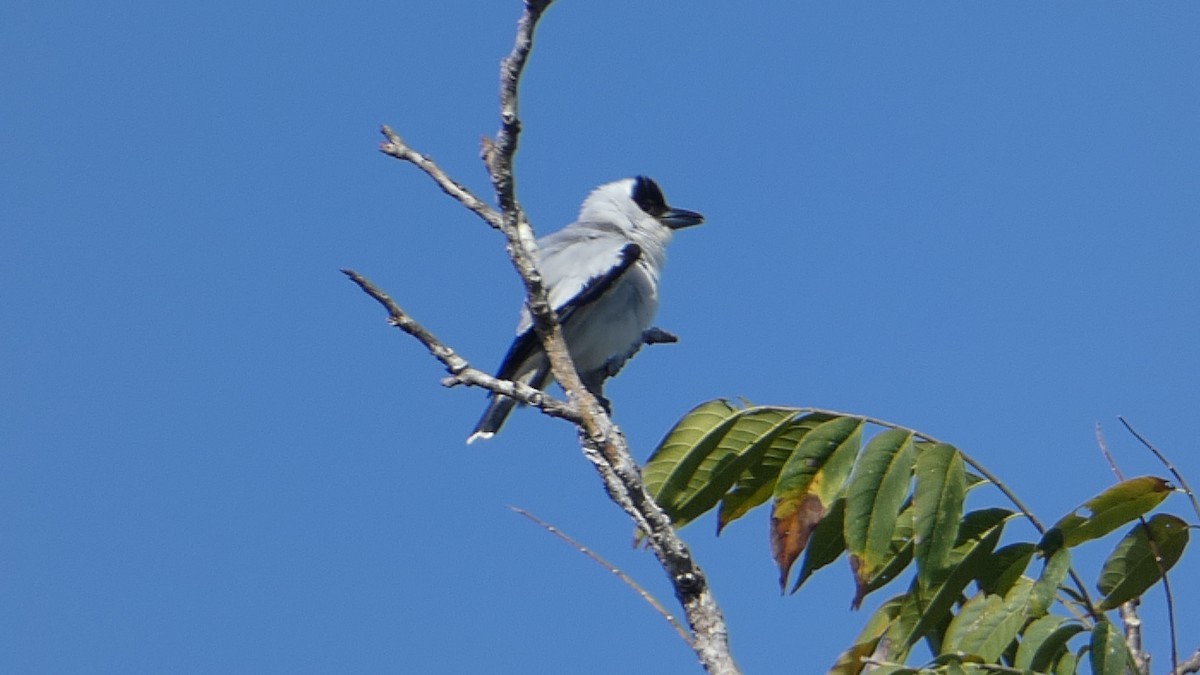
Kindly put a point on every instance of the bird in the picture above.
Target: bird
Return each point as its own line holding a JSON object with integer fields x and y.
{"x": 601, "y": 273}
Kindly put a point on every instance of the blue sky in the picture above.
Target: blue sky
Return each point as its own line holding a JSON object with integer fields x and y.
{"x": 978, "y": 220}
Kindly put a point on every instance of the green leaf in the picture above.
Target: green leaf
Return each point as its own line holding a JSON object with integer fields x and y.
{"x": 1045, "y": 590}
{"x": 911, "y": 615}
{"x": 967, "y": 557}
{"x": 1109, "y": 654}
{"x": 876, "y": 490}
{"x": 671, "y": 464}
{"x": 937, "y": 630}
{"x": 1107, "y": 511}
{"x": 1132, "y": 566}
{"x": 850, "y": 662}
{"x": 938, "y": 502}
{"x": 743, "y": 442}
{"x": 901, "y": 552}
{"x": 1005, "y": 566}
{"x": 1033, "y": 637}
{"x": 808, "y": 484}
{"x": 969, "y": 616}
{"x": 1067, "y": 665}
{"x": 706, "y": 453}
{"x": 822, "y": 461}
{"x": 1053, "y": 648}
{"x": 986, "y": 624}
{"x": 757, "y": 482}
{"x": 980, "y": 521}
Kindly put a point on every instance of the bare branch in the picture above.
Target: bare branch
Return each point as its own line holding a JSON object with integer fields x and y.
{"x": 396, "y": 147}
{"x": 461, "y": 372}
{"x": 1133, "y": 635}
{"x": 637, "y": 588}
{"x": 601, "y": 441}
{"x": 1112, "y": 463}
{"x": 498, "y": 155}
{"x": 1189, "y": 665}
{"x": 1187, "y": 489}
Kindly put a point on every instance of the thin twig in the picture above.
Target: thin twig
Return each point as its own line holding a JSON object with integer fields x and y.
{"x": 396, "y": 147}
{"x": 637, "y": 588}
{"x": 1112, "y": 463}
{"x": 1187, "y": 489}
{"x": 1158, "y": 558}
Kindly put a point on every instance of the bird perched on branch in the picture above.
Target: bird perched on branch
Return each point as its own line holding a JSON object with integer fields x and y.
{"x": 601, "y": 273}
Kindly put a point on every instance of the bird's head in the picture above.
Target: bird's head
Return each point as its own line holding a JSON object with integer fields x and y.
{"x": 638, "y": 206}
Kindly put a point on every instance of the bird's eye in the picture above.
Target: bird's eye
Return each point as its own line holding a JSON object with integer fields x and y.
{"x": 648, "y": 196}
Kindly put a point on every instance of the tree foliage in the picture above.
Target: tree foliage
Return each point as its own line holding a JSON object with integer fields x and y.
{"x": 893, "y": 500}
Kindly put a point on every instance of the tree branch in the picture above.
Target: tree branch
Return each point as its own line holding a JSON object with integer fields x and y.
{"x": 601, "y": 441}
{"x": 1189, "y": 665}
{"x": 396, "y": 147}
{"x": 1166, "y": 463}
{"x": 461, "y": 372}
{"x": 1133, "y": 634}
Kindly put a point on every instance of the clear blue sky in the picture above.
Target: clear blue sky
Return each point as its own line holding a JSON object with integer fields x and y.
{"x": 979, "y": 220}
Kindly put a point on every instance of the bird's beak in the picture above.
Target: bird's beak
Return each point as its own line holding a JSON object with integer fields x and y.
{"x": 677, "y": 219}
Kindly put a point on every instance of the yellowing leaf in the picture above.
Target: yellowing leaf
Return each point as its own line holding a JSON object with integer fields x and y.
{"x": 826, "y": 543}
{"x": 757, "y": 482}
{"x": 1107, "y": 511}
{"x": 807, "y": 486}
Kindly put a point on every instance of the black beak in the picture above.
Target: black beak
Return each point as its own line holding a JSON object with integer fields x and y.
{"x": 677, "y": 219}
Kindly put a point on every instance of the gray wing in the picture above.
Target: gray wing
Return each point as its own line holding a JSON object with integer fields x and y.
{"x": 587, "y": 290}
{"x": 573, "y": 259}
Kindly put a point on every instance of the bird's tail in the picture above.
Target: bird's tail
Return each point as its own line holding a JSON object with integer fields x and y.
{"x": 493, "y": 418}
{"x": 500, "y": 407}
